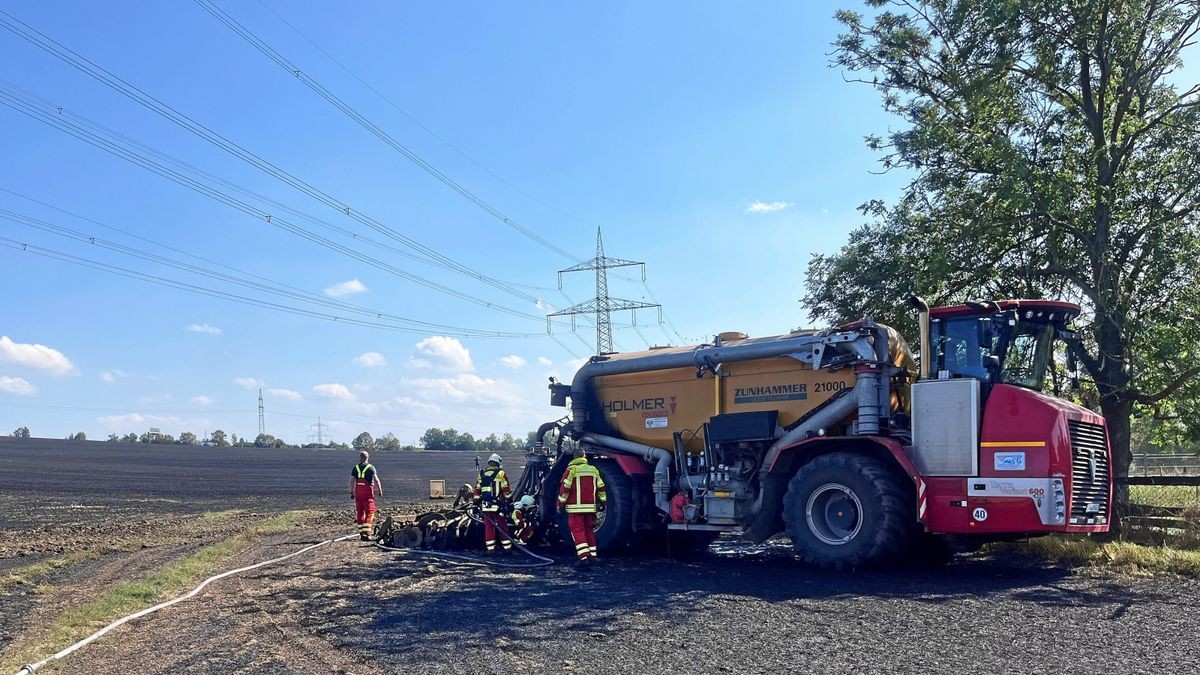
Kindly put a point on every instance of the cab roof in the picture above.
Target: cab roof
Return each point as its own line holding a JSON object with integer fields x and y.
{"x": 1044, "y": 309}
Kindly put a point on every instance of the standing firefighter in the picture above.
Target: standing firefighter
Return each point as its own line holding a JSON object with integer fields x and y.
{"x": 492, "y": 492}
{"x": 364, "y": 486}
{"x": 582, "y": 491}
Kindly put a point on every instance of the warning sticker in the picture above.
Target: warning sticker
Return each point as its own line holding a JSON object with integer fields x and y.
{"x": 656, "y": 422}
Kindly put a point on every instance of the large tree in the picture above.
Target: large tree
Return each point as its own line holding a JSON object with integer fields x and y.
{"x": 1054, "y": 151}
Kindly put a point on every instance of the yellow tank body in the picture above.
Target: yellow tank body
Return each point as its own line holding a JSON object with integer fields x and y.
{"x": 650, "y": 406}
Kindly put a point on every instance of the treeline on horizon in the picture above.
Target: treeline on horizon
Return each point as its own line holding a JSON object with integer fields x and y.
{"x": 433, "y": 439}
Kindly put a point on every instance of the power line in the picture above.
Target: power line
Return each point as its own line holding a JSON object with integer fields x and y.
{"x": 281, "y": 223}
{"x": 370, "y": 126}
{"x": 265, "y": 285}
{"x": 444, "y": 142}
{"x": 221, "y": 295}
{"x": 422, "y": 126}
{"x": 63, "y": 53}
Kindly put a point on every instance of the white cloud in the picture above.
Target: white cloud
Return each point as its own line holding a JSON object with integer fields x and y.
{"x": 113, "y": 375}
{"x": 543, "y": 361}
{"x": 442, "y": 352}
{"x": 248, "y": 382}
{"x": 156, "y": 399}
{"x": 35, "y": 356}
{"x": 466, "y": 387}
{"x": 371, "y": 360}
{"x": 285, "y": 393}
{"x": 345, "y": 288}
{"x": 338, "y": 391}
{"x": 16, "y": 385}
{"x": 766, "y": 207}
{"x": 204, "y": 328}
{"x": 824, "y": 212}
{"x": 139, "y": 422}
{"x": 513, "y": 362}
{"x": 202, "y": 400}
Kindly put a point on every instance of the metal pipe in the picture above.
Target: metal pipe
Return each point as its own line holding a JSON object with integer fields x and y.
{"x": 922, "y": 308}
{"x": 661, "y": 459}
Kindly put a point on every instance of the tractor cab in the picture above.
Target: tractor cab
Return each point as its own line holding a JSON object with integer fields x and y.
{"x": 1006, "y": 342}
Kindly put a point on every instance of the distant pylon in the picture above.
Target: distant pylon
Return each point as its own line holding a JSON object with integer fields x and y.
{"x": 319, "y": 437}
{"x": 602, "y": 306}
{"x": 262, "y": 419}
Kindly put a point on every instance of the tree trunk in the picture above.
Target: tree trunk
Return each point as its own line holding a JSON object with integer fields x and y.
{"x": 1117, "y": 411}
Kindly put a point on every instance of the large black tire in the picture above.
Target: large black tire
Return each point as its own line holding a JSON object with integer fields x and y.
{"x": 615, "y": 533}
{"x": 846, "y": 510}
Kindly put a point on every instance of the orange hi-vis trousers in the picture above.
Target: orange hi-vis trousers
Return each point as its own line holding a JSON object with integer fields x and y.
{"x": 583, "y": 531}
{"x": 364, "y": 507}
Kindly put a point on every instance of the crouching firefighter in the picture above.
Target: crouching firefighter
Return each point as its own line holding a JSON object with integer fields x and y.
{"x": 491, "y": 493}
{"x": 522, "y": 519}
{"x": 581, "y": 493}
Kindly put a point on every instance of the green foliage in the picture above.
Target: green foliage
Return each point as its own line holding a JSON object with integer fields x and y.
{"x": 21, "y": 432}
{"x": 218, "y": 438}
{"x": 264, "y": 441}
{"x": 1052, "y": 155}
{"x": 129, "y": 438}
{"x": 364, "y": 441}
{"x": 388, "y": 442}
{"x": 187, "y": 438}
{"x": 113, "y": 438}
{"x": 77, "y": 436}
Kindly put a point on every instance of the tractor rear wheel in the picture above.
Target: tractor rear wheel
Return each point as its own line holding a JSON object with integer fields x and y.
{"x": 846, "y": 510}
{"x": 614, "y": 523}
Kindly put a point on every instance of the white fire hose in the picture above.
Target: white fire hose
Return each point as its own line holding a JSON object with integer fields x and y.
{"x": 31, "y": 667}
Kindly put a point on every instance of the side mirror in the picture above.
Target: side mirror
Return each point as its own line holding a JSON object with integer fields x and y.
{"x": 987, "y": 333}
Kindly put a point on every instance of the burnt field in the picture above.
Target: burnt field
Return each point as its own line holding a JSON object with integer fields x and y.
{"x": 350, "y": 607}
{"x": 46, "y": 481}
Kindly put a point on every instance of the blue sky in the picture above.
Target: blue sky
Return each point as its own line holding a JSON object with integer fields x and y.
{"x": 662, "y": 122}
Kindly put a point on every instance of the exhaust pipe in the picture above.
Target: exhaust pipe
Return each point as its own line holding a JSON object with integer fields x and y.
{"x": 922, "y": 308}
{"x": 661, "y": 458}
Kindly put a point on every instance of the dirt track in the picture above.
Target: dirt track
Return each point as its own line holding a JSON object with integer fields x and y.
{"x": 353, "y": 608}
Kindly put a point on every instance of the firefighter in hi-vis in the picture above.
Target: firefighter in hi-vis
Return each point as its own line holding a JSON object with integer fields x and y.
{"x": 492, "y": 493}
{"x": 364, "y": 487}
{"x": 581, "y": 493}
{"x": 522, "y": 519}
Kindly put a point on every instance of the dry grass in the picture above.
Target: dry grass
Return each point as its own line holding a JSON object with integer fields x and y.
{"x": 1122, "y": 557}
{"x": 30, "y": 574}
{"x": 131, "y": 596}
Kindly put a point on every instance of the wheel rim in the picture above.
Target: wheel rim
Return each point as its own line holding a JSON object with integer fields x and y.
{"x": 834, "y": 514}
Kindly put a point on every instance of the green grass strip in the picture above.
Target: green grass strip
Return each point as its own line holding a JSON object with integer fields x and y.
{"x": 131, "y": 596}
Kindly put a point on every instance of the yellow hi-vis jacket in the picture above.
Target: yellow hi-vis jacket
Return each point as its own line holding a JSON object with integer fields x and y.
{"x": 582, "y": 488}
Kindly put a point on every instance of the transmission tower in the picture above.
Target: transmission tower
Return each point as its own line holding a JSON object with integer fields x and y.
{"x": 262, "y": 420}
{"x": 602, "y": 306}
{"x": 319, "y": 436}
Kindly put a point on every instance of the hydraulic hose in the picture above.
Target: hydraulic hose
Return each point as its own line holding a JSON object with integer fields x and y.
{"x": 31, "y": 667}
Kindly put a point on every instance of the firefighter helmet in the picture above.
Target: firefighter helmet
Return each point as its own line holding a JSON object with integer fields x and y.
{"x": 495, "y": 458}
{"x": 525, "y": 502}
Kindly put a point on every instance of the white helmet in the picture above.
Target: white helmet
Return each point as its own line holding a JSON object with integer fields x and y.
{"x": 495, "y": 458}
{"x": 525, "y": 502}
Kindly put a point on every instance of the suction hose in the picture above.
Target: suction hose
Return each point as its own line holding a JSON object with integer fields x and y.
{"x": 31, "y": 667}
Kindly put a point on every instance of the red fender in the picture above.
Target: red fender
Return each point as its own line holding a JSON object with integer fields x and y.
{"x": 894, "y": 449}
